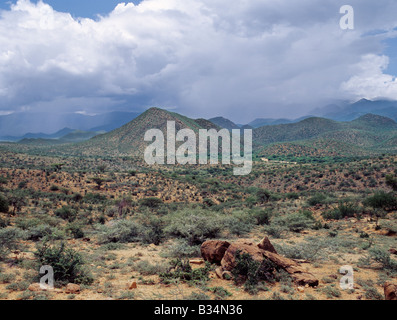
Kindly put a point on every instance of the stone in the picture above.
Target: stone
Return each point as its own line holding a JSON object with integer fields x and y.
{"x": 72, "y": 288}
{"x": 300, "y": 276}
{"x": 390, "y": 291}
{"x": 266, "y": 245}
{"x": 133, "y": 286}
{"x": 229, "y": 259}
{"x": 393, "y": 251}
{"x": 219, "y": 272}
{"x": 214, "y": 250}
{"x": 35, "y": 287}
{"x": 196, "y": 261}
{"x": 227, "y": 275}
{"x": 301, "y": 289}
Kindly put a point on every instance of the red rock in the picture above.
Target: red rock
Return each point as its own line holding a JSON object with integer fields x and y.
{"x": 229, "y": 259}
{"x": 214, "y": 250}
{"x": 72, "y": 288}
{"x": 390, "y": 291}
{"x": 133, "y": 286}
{"x": 266, "y": 245}
{"x": 35, "y": 287}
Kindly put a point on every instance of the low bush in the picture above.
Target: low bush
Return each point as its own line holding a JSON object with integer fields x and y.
{"x": 9, "y": 240}
{"x": 252, "y": 272}
{"x": 181, "y": 270}
{"x": 194, "y": 225}
{"x": 66, "y": 213}
{"x": 123, "y": 231}
{"x": 68, "y": 265}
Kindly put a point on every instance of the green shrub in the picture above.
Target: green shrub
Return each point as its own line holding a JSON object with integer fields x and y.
{"x": 220, "y": 292}
{"x": 331, "y": 292}
{"x": 68, "y": 265}
{"x": 151, "y": 202}
{"x": 39, "y": 232}
{"x": 263, "y": 196}
{"x": 145, "y": 268}
{"x": 9, "y": 240}
{"x": 262, "y": 216}
{"x": 381, "y": 256}
{"x": 181, "y": 248}
{"x": 382, "y": 200}
{"x": 75, "y": 230}
{"x": 152, "y": 229}
{"x": 391, "y": 182}
{"x": 239, "y": 223}
{"x": 343, "y": 210}
{"x": 66, "y": 213}
{"x": 295, "y": 222}
{"x": 94, "y": 198}
{"x": 318, "y": 198}
{"x": 182, "y": 271}
{"x": 123, "y": 231}
{"x": 195, "y": 225}
{"x": 372, "y": 294}
{"x": 252, "y": 271}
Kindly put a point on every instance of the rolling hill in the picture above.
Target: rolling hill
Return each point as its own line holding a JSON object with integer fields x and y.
{"x": 369, "y": 134}
{"x": 128, "y": 140}
{"x": 351, "y": 111}
{"x": 224, "y": 123}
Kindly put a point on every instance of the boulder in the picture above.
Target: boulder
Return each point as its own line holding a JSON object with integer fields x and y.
{"x": 214, "y": 250}
{"x": 266, "y": 245}
{"x": 133, "y": 286}
{"x": 390, "y": 291}
{"x": 72, "y": 288}
{"x": 300, "y": 276}
{"x": 223, "y": 252}
{"x": 35, "y": 287}
{"x": 229, "y": 259}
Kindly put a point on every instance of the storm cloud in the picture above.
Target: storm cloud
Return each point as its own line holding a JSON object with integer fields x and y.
{"x": 241, "y": 59}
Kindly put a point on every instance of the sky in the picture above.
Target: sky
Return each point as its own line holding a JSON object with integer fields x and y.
{"x": 203, "y": 58}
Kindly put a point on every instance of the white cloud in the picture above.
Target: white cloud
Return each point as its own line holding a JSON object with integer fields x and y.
{"x": 370, "y": 81}
{"x": 203, "y": 57}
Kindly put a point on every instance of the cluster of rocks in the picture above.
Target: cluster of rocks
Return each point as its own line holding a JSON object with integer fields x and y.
{"x": 224, "y": 253}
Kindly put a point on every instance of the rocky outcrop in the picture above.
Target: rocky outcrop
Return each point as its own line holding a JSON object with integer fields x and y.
{"x": 264, "y": 250}
{"x": 390, "y": 291}
{"x": 244, "y": 246}
{"x": 266, "y": 245}
{"x": 214, "y": 250}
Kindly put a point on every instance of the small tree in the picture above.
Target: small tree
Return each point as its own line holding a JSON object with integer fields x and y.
{"x": 391, "y": 182}
{"x": 263, "y": 196}
{"x": 382, "y": 200}
{"x": 17, "y": 201}
{"x": 99, "y": 181}
{"x": 9, "y": 241}
{"x": 68, "y": 264}
{"x": 4, "y": 206}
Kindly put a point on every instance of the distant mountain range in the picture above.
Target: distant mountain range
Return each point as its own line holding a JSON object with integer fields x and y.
{"x": 18, "y": 126}
{"x": 349, "y": 111}
{"x": 72, "y": 136}
{"x": 319, "y": 137}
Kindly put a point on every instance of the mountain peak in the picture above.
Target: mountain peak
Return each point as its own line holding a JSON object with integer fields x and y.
{"x": 373, "y": 119}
